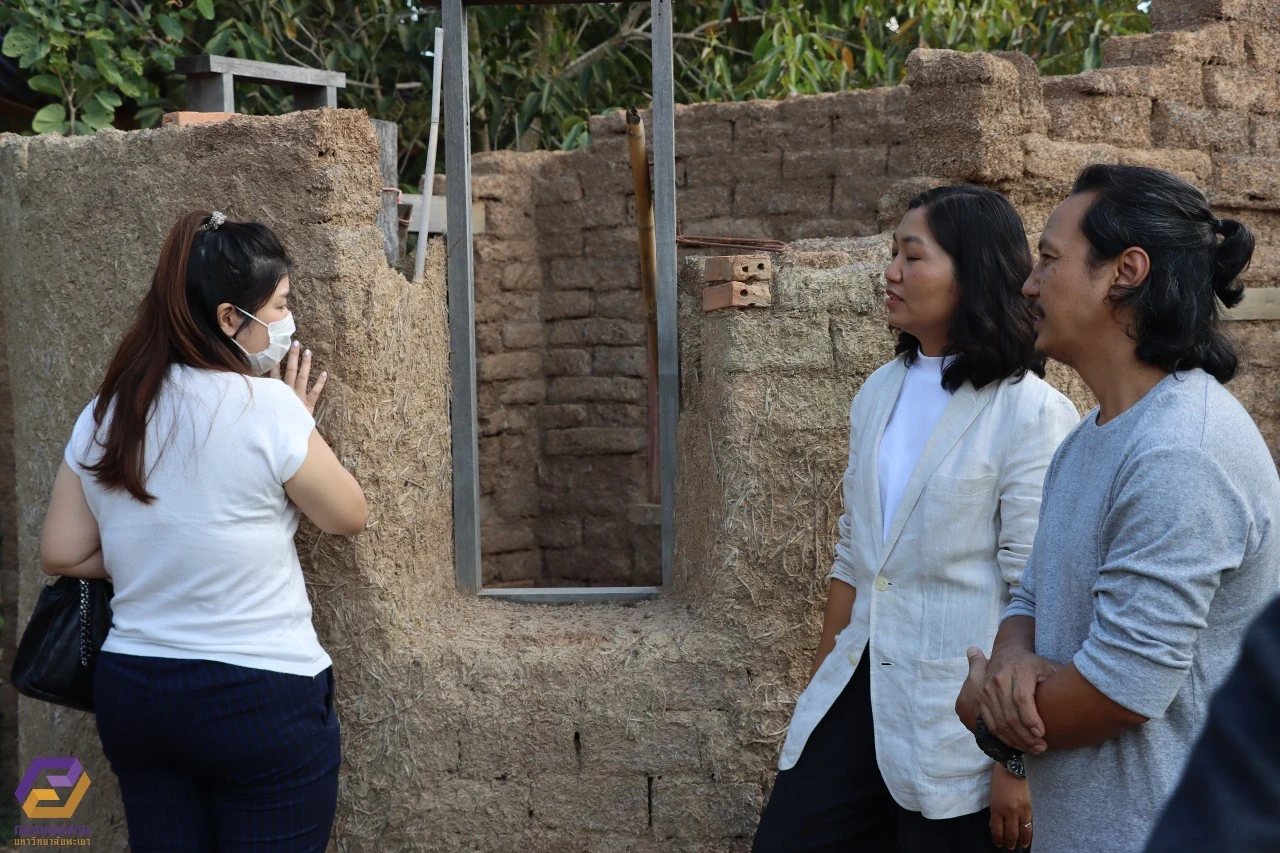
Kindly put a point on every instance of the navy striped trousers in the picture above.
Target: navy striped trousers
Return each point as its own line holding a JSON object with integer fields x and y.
{"x": 215, "y": 757}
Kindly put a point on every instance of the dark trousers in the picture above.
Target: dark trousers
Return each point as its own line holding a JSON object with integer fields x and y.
{"x": 215, "y": 757}
{"x": 834, "y": 798}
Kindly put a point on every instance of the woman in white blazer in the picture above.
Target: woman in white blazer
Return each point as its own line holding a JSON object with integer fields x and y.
{"x": 948, "y": 447}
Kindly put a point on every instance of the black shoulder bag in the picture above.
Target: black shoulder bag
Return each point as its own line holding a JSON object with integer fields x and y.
{"x": 60, "y": 645}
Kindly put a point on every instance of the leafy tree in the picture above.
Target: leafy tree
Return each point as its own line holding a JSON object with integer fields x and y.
{"x": 537, "y": 72}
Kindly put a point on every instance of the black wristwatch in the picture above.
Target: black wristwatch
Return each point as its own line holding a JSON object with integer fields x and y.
{"x": 998, "y": 750}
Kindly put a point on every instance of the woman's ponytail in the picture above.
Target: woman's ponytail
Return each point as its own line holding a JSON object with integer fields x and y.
{"x": 1230, "y": 260}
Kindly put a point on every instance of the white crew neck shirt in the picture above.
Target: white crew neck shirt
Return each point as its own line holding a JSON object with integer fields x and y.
{"x": 920, "y": 405}
{"x": 209, "y": 570}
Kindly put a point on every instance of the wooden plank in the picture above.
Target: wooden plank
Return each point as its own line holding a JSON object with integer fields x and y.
{"x": 524, "y": 2}
{"x": 388, "y": 211}
{"x": 261, "y": 72}
{"x": 1259, "y": 303}
{"x": 439, "y": 213}
{"x": 572, "y": 595}
{"x": 462, "y": 327}
{"x": 664, "y": 212}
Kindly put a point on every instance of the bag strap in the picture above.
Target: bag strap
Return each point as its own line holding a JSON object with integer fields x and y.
{"x": 86, "y": 620}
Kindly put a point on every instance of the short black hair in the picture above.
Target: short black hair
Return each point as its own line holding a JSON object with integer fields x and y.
{"x": 991, "y": 333}
{"x": 1176, "y": 318}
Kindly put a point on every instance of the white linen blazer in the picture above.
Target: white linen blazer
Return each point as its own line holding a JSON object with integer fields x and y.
{"x": 940, "y": 582}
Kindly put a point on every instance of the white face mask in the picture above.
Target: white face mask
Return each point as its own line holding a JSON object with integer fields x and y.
{"x": 279, "y": 335}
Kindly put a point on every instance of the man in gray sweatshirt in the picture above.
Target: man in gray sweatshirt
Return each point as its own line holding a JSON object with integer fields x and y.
{"x": 1157, "y": 542}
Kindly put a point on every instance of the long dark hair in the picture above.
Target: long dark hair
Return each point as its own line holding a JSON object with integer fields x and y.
{"x": 990, "y": 334}
{"x": 1176, "y": 318}
{"x": 199, "y": 269}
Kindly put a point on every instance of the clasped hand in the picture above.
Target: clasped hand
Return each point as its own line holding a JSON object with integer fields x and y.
{"x": 1003, "y": 692}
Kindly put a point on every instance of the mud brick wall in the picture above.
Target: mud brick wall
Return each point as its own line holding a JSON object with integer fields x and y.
{"x": 564, "y": 428}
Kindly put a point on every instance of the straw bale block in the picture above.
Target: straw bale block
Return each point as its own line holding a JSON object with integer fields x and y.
{"x": 559, "y": 532}
{"x": 764, "y": 342}
{"x": 1212, "y": 44}
{"x": 517, "y": 335}
{"x": 1243, "y": 89}
{"x": 617, "y": 414}
{"x": 526, "y": 391}
{"x": 622, "y": 304}
{"x": 595, "y": 331}
{"x": 1261, "y": 47}
{"x": 589, "y": 565}
{"x": 604, "y": 533}
{"x": 594, "y": 441}
{"x": 1185, "y": 14}
{"x": 861, "y": 347}
{"x": 1076, "y": 116}
{"x": 1264, "y": 135}
{"x": 868, "y": 116}
{"x": 594, "y": 803}
{"x": 466, "y": 809}
{"x": 621, "y": 361}
{"x": 567, "y": 304}
{"x": 509, "y": 365}
{"x": 1180, "y": 84}
{"x": 497, "y": 537}
{"x": 806, "y": 122}
{"x": 1193, "y": 166}
{"x": 855, "y": 288}
{"x": 834, "y": 162}
{"x": 707, "y": 202}
{"x": 515, "y": 565}
{"x": 1035, "y": 119}
{"x": 811, "y": 197}
{"x": 1057, "y": 164}
{"x": 968, "y": 130}
{"x": 928, "y": 68}
{"x": 561, "y": 415}
{"x": 505, "y": 419}
{"x": 637, "y": 744}
{"x": 1176, "y": 126}
{"x": 856, "y": 197}
{"x": 1246, "y": 181}
{"x": 508, "y": 306}
{"x": 613, "y": 243}
{"x": 559, "y": 186}
{"x": 521, "y": 275}
{"x": 567, "y": 362}
{"x": 703, "y": 137}
{"x": 798, "y": 403}
{"x": 612, "y": 123}
{"x": 559, "y": 242}
{"x": 590, "y": 474}
{"x": 757, "y": 128}
{"x": 493, "y": 742}
{"x": 576, "y": 389}
{"x": 684, "y": 808}
{"x": 488, "y": 337}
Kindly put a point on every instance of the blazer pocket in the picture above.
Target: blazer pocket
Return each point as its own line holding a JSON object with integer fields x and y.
{"x": 946, "y": 749}
{"x": 960, "y": 487}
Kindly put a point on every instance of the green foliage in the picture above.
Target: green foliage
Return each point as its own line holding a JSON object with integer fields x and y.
{"x": 90, "y": 56}
{"x": 537, "y": 72}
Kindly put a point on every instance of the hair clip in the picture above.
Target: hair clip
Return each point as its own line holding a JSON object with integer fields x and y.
{"x": 215, "y": 220}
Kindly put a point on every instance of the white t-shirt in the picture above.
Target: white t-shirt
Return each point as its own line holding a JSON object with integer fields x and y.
{"x": 920, "y": 405}
{"x": 209, "y": 570}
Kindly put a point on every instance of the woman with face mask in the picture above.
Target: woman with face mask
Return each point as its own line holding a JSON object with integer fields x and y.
{"x": 948, "y": 449}
{"x": 183, "y": 483}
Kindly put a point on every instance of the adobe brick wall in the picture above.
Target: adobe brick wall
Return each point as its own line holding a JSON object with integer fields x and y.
{"x": 564, "y": 429}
